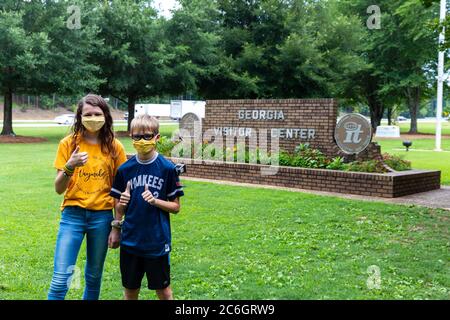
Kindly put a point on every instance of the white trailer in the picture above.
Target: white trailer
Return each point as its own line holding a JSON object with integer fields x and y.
{"x": 178, "y": 108}
{"x": 153, "y": 109}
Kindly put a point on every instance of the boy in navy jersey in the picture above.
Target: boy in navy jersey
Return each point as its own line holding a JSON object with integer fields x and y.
{"x": 146, "y": 189}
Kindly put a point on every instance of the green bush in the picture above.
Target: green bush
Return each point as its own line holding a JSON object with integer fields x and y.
{"x": 304, "y": 157}
{"x": 165, "y": 146}
{"x": 337, "y": 164}
{"x": 307, "y": 157}
{"x": 284, "y": 159}
{"x": 373, "y": 166}
{"x": 396, "y": 162}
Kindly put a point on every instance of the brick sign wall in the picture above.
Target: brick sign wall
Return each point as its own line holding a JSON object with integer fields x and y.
{"x": 294, "y": 121}
{"x": 297, "y": 121}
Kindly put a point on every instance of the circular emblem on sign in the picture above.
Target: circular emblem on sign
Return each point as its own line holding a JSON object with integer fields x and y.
{"x": 188, "y": 122}
{"x": 353, "y": 133}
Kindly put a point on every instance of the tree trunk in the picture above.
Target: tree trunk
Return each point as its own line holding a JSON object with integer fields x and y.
{"x": 131, "y": 104}
{"x": 413, "y": 100}
{"x": 389, "y": 116}
{"x": 7, "y": 115}
{"x": 376, "y": 112}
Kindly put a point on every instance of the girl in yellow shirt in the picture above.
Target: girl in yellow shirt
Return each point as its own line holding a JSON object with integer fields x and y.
{"x": 86, "y": 163}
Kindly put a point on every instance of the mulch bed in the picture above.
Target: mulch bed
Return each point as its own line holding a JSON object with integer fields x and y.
{"x": 21, "y": 139}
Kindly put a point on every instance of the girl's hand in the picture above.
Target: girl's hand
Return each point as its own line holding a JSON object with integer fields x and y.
{"x": 148, "y": 196}
{"x": 77, "y": 159}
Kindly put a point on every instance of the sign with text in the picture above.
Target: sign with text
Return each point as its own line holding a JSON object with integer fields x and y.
{"x": 291, "y": 121}
{"x": 388, "y": 132}
{"x": 353, "y": 133}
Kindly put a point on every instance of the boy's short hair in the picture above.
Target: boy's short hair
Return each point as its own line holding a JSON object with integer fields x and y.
{"x": 146, "y": 122}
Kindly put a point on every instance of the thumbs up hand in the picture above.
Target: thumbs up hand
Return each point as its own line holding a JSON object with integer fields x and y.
{"x": 77, "y": 159}
{"x": 126, "y": 195}
{"x": 148, "y": 196}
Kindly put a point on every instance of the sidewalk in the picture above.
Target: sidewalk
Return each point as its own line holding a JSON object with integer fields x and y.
{"x": 432, "y": 199}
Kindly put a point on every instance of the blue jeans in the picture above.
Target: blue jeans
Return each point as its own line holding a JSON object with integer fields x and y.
{"x": 75, "y": 223}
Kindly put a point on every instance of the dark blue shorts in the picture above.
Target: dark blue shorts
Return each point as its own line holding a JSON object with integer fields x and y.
{"x": 134, "y": 267}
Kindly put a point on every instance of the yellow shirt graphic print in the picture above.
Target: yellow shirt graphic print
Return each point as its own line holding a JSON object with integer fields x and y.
{"x": 90, "y": 185}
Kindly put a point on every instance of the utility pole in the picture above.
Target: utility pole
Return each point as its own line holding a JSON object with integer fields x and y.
{"x": 440, "y": 86}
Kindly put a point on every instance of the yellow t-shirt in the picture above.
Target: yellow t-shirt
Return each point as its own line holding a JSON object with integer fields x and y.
{"x": 90, "y": 185}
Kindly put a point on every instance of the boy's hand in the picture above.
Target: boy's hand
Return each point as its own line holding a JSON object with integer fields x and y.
{"x": 148, "y": 196}
{"x": 125, "y": 196}
{"x": 114, "y": 238}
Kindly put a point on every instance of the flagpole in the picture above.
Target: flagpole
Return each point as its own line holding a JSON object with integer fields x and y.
{"x": 440, "y": 86}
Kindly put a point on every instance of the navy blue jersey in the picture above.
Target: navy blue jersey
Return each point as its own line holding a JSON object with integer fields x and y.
{"x": 146, "y": 228}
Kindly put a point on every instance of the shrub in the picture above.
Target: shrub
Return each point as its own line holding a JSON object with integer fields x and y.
{"x": 337, "y": 164}
{"x": 396, "y": 162}
{"x": 304, "y": 157}
{"x": 374, "y": 166}
{"x": 165, "y": 146}
{"x": 284, "y": 159}
{"x": 302, "y": 147}
{"x": 307, "y": 157}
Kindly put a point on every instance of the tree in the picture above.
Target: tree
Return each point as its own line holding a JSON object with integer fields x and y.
{"x": 136, "y": 59}
{"x": 214, "y": 71}
{"x": 21, "y": 57}
{"x": 437, "y": 25}
{"x": 413, "y": 47}
{"x": 321, "y": 53}
{"x": 289, "y": 48}
{"x": 400, "y": 54}
{"x": 70, "y": 69}
{"x": 40, "y": 54}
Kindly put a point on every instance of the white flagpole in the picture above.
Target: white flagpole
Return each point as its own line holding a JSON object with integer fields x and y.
{"x": 440, "y": 87}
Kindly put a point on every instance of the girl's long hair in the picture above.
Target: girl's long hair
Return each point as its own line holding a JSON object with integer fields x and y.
{"x": 106, "y": 134}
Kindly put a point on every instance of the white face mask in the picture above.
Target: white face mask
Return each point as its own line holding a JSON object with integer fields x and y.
{"x": 93, "y": 124}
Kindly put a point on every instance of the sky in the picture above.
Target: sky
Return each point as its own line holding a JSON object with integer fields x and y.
{"x": 165, "y": 6}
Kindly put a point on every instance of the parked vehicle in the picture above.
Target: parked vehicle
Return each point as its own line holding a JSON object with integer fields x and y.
{"x": 178, "y": 108}
{"x": 175, "y": 110}
{"x": 67, "y": 119}
{"x": 153, "y": 109}
{"x": 401, "y": 118}
{"x": 125, "y": 116}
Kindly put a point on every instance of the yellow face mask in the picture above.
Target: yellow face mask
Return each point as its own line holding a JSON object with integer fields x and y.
{"x": 93, "y": 124}
{"x": 144, "y": 146}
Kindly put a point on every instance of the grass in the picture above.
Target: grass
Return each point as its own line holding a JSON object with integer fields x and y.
{"x": 420, "y": 157}
{"x": 423, "y": 127}
{"x": 234, "y": 242}
{"x": 55, "y": 134}
{"x": 423, "y": 159}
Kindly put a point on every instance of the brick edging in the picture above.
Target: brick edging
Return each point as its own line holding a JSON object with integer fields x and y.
{"x": 389, "y": 185}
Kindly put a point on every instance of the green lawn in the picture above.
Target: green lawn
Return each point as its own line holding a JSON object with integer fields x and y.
{"x": 234, "y": 242}
{"x": 425, "y": 127}
{"x": 420, "y": 157}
